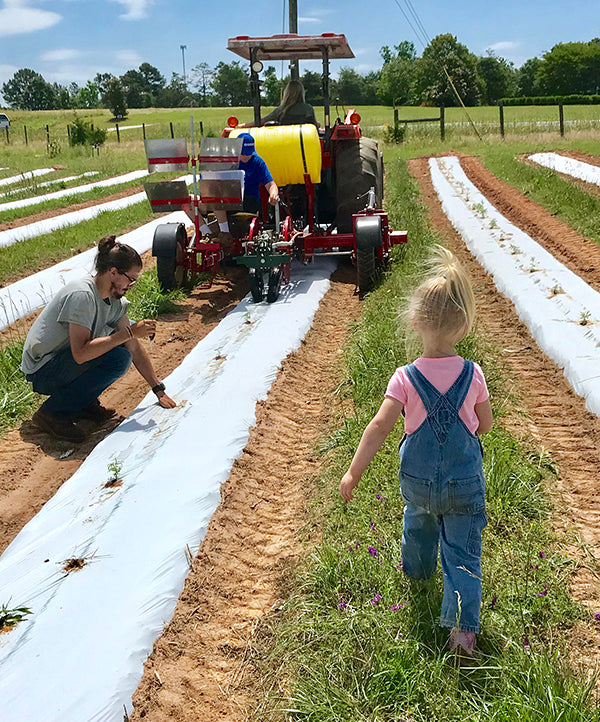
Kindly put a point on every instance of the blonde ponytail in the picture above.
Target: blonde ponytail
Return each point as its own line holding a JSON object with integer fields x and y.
{"x": 444, "y": 302}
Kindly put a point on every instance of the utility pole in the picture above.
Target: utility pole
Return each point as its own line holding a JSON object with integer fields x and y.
{"x": 183, "y": 48}
{"x": 294, "y": 68}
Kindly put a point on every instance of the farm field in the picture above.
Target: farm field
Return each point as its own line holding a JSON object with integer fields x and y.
{"x": 276, "y": 612}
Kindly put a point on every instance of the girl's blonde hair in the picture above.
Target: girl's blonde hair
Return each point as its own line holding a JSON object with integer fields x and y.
{"x": 444, "y": 302}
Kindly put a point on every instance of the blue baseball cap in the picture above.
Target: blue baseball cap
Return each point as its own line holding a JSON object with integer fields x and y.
{"x": 248, "y": 147}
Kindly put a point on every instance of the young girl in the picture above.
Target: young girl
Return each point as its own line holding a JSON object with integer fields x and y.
{"x": 446, "y": 406}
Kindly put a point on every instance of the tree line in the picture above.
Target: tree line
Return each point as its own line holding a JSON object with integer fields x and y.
{"x": 445, "y": 70}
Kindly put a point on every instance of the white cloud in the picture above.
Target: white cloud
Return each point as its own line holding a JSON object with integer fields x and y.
{"x": 129, "y": 58}
{"x": 59, "y": 56}
{"x": 136, "y": 9}
{"x": 17, "y": 17}
{"x": 503, "y": 46}
{"x": 308, "y": 20}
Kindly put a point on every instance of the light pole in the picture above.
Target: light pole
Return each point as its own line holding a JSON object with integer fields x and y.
{"x": 183, "y": 48}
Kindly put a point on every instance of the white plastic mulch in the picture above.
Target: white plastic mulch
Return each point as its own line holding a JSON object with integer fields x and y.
{"x": 55, "y": 181}
{"x": 568, "y": 166}
{"x": 560, "y": 309}
{"x": 117, "y": 180}
{"x": 32, "y": 293}
{"x": 27, "y": 175}
{"x": 80, "y": 656}
{"x": 31, "y": 230}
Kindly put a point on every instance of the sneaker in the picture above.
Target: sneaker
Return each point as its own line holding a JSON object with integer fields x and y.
{"x": 58, "y": 427}
{"x": 95, "y": 412}
{"x": 462, "y": 646}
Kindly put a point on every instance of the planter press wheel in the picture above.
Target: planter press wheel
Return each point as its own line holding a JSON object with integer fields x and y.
{"x": 366, "y": 269}
{"x": 274, "y": 285}
{"x": 168, "y": 246}
{"x": 368, "y": 233}
{"x": 257, "y": 286}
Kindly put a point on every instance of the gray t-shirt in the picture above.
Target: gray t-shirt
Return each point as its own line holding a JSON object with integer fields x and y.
{"x": 78, "y": 302}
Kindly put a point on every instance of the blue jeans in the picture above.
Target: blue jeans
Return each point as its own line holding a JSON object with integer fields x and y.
{"x": 458, "y": 537}
{"x": 72, "y": 386}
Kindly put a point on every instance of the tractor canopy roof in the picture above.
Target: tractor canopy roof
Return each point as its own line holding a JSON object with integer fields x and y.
{"x": 291, "y": 47}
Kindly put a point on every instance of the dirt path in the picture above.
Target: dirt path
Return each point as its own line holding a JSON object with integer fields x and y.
{"x": 556, "y": 416}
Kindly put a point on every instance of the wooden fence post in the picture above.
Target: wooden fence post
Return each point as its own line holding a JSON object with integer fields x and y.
{"x": 118, "y": 133}
{"x": 144, "y": 131}
{"x": 501, "y": 109}
{"x": 396, "y": 123}
{"x": 25, "y": 131}
{"x": 442, "y": 123}
{"x": 171, "y": 126}
{"x": 69, "y": 132}
{"x": 201, "y": 129}
{"x": 7, "y": 136}
{"x": 561, "y": 120}
{"x": 47, "y": 136}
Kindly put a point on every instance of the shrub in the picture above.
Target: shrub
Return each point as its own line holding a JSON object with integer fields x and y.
{"x": 84, "y": 133}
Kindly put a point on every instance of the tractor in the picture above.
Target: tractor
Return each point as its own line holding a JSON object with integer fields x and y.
{"x": 330, "y": 181}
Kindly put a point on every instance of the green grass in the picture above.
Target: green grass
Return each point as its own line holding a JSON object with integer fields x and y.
{"x": 148, "y": 300}
{"x": 335, "y": 649}
{"x": 17, "y": 400}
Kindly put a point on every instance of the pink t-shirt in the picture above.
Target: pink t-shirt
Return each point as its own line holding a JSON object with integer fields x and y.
{"x": 441, "y": 373}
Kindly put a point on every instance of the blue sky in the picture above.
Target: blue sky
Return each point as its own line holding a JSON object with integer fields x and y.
{"x": 72, "y": 40}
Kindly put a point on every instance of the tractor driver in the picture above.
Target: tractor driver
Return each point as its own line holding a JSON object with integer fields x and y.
{"x": 256, "y": 173}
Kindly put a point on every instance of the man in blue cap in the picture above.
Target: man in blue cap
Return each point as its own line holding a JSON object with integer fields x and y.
{"x": 256, "y": 173}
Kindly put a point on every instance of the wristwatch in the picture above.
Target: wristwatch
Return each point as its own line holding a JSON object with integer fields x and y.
{"x": 158, "y": 388}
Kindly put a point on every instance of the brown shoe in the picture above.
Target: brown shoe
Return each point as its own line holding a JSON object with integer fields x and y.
{"x": 462, "y": 645}
{"x": 96, "y": 413}
{"x": 58, "y": 427}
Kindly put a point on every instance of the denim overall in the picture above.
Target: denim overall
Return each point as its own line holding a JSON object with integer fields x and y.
{"x": 441, "y": 478}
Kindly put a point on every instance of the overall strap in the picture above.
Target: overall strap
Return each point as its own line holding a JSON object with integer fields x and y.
{"x": 442, "y": 409}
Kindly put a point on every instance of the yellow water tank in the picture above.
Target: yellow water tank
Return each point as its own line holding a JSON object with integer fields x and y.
{"x": 289, "y": 151}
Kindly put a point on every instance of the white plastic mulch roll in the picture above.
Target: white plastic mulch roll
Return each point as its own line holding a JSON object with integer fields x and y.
{"x": 560, "y": 309}
{"x": 27, "y": 175}
{"x": 117, "y": 180}
{"x": 31, "y": 293}
{"x": 568, "y": 166}
{"x": 79, "y": 657}
{"x": 31, "y": 230}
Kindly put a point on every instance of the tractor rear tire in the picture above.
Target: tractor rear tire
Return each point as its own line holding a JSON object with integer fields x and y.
{"x": 275, "y": 278}
{"x": 257, "y": 287}
{"x": 366, "y": 269}
{"x": 358, "y": 167}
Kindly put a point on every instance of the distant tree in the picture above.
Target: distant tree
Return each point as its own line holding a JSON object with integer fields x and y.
{"x": 527, "y": 78}
{"x": 88, "y": 96}
{"x": 136, "y": 95}
{"x": 201, "y": 78}
{"x": 313, "y": 87}
{"x": 230, "y": 84}
{"x": 354, "y": 89}
{"x": 570, "y": 68}
{"x": 176, "y": 94}
{"x": 114, "y": 98}
{"x": 445, "y": 54}
{"x": 396, "y": 81}
{"x": 152, "y": 80}
{"x": 499, "y": 77}
{"x": 27, "y": 90}
{"x": 271, "y": 87}
{"x": 404, "y": 50}
{"x": 102, "y": 80}
{"x": 64, "y": 97}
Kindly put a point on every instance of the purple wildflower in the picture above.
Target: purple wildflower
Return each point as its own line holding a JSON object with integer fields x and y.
{"x": 399, "y": 567}
{"x": 380, "y": 498}
{"x": 494, "y": 600}
{"x": 542, "y": 555}
{"x": 372, "y": 525}
{"x": 356, "y": 545}
{"x": 526, "y": 644}
{"x": 396, "y": 607}
{"x": 342, "y": 605}
{"x": 373, "y": 552}
{"x": 597, "y": 616}
{"x": 542, "y": 594}
{"x": 351, "y": 549}
{"x": 376, "y": 599}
